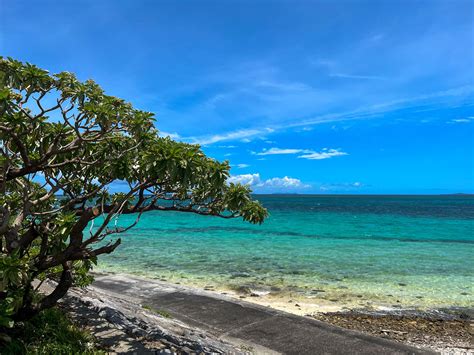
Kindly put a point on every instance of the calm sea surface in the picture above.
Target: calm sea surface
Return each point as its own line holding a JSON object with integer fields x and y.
{"x": 406, "y": 251}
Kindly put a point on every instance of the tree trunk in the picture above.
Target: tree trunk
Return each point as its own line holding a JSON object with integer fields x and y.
{"x": 29, "y": 310}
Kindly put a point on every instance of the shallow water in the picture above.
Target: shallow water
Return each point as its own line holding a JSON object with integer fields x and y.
{"x": 356, "y": 251}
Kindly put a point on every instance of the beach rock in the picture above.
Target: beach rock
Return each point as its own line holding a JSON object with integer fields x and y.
{"x": 246, "y": 290}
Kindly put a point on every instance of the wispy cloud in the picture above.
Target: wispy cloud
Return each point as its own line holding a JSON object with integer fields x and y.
{"x": 355, "y": 76}
{"x": 243, "y": 135}
{"x": 445, "y": 98}
{"x": 325, "y": 153}
{"x": 462, "y": 120}
{"x": 336, "y": 69}
{"x": 279, "y": 151}
{"x": 376, "y": 37}
{"x": 241, "y": 166}
{"x": 283, "y": 86}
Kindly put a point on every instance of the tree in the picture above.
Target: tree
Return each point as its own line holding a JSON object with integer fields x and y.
{"x": 63, "y": 142}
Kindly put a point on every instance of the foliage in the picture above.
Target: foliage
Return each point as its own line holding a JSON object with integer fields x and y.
{"x": 63, "y": 142}
{"x": 50, "y": 332}
{"x": 157, "y": 311}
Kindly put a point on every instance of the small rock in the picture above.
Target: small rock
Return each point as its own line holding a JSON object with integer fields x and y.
{"x": 259, "y": 293}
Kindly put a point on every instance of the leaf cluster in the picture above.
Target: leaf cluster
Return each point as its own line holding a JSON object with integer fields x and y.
{"x": 63, "y": 142}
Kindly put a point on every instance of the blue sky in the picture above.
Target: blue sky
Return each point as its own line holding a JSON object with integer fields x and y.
{"x": 300, "y": 96}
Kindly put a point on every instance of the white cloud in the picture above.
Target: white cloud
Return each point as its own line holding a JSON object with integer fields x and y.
{"x": 286, "y": 182}
{"x": 168, "y": 134}
{"x": 325, "y": 154}
{"x": 245, "y": 179}
{"x": 275, "y": 184}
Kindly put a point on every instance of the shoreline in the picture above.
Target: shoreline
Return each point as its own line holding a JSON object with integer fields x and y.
{"x": 320, "y": 300}
{"x": 442, "y": 330}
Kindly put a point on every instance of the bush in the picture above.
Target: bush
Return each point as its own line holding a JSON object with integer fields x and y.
{"x": 49, "y": 332}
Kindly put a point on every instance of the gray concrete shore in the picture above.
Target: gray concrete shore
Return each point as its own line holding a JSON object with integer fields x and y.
{"x": 222, "y": 324}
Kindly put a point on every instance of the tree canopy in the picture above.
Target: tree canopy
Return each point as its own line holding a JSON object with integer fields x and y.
{"x": 63, "y": 143}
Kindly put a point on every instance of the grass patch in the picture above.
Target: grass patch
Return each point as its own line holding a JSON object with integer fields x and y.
{"x": 157, "y": 311}
{"x": 50, "y": 332}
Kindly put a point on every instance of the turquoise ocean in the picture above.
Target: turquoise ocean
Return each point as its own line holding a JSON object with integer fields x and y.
{"x": 356, "y": 251}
